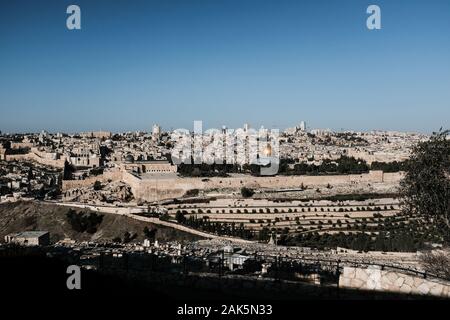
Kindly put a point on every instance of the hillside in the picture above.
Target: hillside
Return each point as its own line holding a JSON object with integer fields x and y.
{"x": 27, "y": 216}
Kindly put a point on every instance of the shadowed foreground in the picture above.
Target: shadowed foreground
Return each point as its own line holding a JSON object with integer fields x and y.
{"x": 34, "y": 274}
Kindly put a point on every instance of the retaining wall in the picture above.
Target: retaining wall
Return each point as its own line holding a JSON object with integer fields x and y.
{"x": 374, "y": 278}
{"x": 160, "y": 188}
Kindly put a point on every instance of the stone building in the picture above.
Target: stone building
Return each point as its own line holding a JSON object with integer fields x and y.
{"x": 29, "y": 238}
{"x": 85, "y": 156}
{"x": 2, "y": 152}
{"x": 96, "y": 134}
{"x": 155, "y": 166}
{"x": 228, "y": 257}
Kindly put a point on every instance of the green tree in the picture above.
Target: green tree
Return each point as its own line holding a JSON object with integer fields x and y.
{"x": 126, "y": 237}
{"x": 149, "y": 234}
{"x": 426, "y": 186}
{"x": 97, "y": 185}
{"x": 180, "y": 217}
{"x": 247, "y": 192}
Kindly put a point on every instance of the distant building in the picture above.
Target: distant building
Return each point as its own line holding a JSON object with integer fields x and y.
{"x": 156, "y": 130}
{"x": 29, "y": 238}
{"x": 302, "y": 126}
{"x": 153, "y": 166}
{"x": 321, "y": 132}
{"x": 25, "y": 144}
{"x": 229, "y": 258}
{"x": 85, "y": 157}
{"x": 96, "y": 134}
{"x": 2, "y": 152}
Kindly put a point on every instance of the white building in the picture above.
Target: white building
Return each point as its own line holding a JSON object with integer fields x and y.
{"x": 29, "y": 238}
{"x": 302, "y": 126}
{"x": 156, "y": 130}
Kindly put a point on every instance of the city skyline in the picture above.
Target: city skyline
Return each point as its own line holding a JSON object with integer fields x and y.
{"x": 194, "y": 153}
{"x": 149, "y": 129}
{"x": 226, "y": 63}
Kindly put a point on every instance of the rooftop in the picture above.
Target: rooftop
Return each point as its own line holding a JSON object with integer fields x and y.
{"x": 30, "y": 234}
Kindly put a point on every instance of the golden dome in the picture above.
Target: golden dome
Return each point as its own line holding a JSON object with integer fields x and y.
{"x": 268, "y": 150}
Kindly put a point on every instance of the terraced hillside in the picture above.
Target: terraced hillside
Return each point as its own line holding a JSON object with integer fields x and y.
{"x": 312, "y": 222}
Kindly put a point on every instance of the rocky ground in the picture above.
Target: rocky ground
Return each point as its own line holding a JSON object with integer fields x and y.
{"x": 111, "y": 192}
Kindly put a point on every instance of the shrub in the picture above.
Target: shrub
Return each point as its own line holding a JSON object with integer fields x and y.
{"x": 247, "y": 192}
{"x": 81, "y": 222}
{"x": 97, "y": 185}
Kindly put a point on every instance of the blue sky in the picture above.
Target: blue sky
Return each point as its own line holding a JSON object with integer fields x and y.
{"x": 272, "y": 63}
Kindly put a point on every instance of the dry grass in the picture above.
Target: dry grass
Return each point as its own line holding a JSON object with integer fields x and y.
{"x": 26, "y": 216}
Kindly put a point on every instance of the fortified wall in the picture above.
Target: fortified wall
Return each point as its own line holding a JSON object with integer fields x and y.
{"x": 168, "y": 186}
{"x": 107, "y": 176}
{"x": 36, "y": 156}
{"x": 51, "y": 159}
{"x": 374, "y": 278}
{"x": 164, "y": 188}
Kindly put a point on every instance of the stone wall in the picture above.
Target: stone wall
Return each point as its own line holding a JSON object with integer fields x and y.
{"x": 374, "y": 278}
{"x": 164, "y": 188}
{"x": 113, "y": 175}
{"x": 167, "y": 187}
{"x": 241, "y": 286}
{"x": 58, "y": 163}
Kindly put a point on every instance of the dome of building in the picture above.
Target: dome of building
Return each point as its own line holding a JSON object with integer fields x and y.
{"x": 268, "y": 150}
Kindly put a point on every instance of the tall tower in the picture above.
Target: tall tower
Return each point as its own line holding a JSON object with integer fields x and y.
{"x": 303, "y": 126}
{"x": 156, "y": 130}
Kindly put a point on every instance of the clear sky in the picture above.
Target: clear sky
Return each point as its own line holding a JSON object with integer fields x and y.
{"x": 272, "y": 63}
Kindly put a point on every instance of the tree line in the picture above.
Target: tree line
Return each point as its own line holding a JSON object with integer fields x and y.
{"x": 343, "y": 165}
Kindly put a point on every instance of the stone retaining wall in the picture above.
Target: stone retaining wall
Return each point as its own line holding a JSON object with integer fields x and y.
{"x": 107, "y": 176}
{"x": 56, "y": 163}
{"x": 160, "y": 188}
{"x": 374, "y": 278}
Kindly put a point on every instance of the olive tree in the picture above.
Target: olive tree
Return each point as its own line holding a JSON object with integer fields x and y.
{"x": 436, "y": 263}
{"x": 425, "y": 188}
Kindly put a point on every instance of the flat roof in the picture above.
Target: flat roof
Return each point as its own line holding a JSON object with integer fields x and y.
{"x": 30, "y": 234}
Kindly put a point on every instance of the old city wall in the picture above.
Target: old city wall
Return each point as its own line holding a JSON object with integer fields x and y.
{"x": 114, "y": 175}
{"x": 58, "y": 163}
{"x": 373, "y": 278}
{"x": 158, "y": 189}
